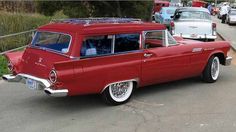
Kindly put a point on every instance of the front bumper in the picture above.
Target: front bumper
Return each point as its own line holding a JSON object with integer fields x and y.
{"x": 187, "y": 36}
{"x": 228, "y": 60}
{"x": 42, "y": 84}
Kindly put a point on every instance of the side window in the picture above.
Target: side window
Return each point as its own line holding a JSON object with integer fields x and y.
{"x": 96, "y": 46}
{"x": 154, "y": 39}
{"x": 126, "y": 42}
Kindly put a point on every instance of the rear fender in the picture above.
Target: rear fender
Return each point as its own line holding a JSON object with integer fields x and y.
{"x": 64, "y": 70}
{"x": 15, "y": 58}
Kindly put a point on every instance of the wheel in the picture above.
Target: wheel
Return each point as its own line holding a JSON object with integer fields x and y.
{"x": 118, "y": 93}
{"x": 212, "y": 70}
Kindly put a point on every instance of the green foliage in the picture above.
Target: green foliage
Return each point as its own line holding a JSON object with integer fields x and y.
{"x": 80, "y": 9}
{"x": 18, "y": 22}
{"x": 3, "y": 66}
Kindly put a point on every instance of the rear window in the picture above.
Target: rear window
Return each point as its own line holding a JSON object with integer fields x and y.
{"x": 194, "y": 15}
{"x": 54, "y": 41}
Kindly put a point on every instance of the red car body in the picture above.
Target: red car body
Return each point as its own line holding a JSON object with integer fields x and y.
{"x": 198, "y": 3}
{"x": 158, "y": 4}
{"x": 76, "y": 75}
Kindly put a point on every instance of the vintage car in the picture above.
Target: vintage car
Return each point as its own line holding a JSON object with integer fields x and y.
{"x": 193, "y": 23}
{"x": 164, "y": 16}
{"x": 231, "y": 17}
{"x": 111, "y": 57}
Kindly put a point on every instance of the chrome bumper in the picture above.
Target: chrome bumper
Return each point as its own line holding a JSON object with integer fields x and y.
{"x": 42, "y": 84}
{"x": 228, "y": 60}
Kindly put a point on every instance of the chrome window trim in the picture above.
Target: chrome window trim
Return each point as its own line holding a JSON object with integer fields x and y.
{"x": 111, "y": 54}
{"x": 48, "y": 49}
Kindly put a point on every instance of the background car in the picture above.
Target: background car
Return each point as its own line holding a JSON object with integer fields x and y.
{"x": 231, "y": 17}
{"x": 164, "y": 16}
{"x": 193, "y": 23}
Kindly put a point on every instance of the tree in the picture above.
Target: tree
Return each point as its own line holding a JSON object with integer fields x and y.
{"x": 117, "y": 8}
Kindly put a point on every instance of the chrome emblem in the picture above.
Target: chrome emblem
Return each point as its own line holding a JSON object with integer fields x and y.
{"x": 40, "y": 60}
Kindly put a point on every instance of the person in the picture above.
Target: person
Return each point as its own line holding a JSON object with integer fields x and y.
{"x": 209, "y": 8}
{"x": 223, "y": 12}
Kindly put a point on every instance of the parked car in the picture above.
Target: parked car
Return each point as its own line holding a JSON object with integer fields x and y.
{"x": 231, "y": 17}
{"x": 199, "y": 3}
{"x": 164, "y": 16}
{"x": 193, "y": 23}
{"x": 157, "y": 6}
{"x": 176, "y": 3}
{"x": 233, "y": 5}
{"x": 111, "y": 57}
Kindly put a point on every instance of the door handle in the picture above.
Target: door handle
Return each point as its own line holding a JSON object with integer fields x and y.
{"x": 147, "y": 55}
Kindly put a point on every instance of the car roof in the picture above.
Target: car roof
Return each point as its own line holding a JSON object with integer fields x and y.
{"x": 98, "y": 26}
{"x": 193, "y": 9}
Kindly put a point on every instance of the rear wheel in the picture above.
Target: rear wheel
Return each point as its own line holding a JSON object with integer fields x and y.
{"x": 212, "y": 70}
{"x": 118, "y": 93}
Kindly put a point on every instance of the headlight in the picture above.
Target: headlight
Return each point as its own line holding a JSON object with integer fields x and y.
{"x": 53, "y": 76}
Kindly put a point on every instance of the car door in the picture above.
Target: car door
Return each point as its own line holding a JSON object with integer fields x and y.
{"x": 106, "y": 59}
{"x": 166, "y": 62}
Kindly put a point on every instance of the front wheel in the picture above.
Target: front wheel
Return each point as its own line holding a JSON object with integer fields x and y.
{"x": 212, "y": 70}
{"x": 118, "y": 93}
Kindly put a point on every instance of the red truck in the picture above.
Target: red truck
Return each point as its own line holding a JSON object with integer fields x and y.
{"x": 111, "y": 57}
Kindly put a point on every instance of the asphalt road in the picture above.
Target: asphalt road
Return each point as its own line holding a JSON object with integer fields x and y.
{"x": 181, "y": 106}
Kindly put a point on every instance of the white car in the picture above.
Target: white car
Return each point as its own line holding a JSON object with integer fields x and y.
{"x": 231, "y": 17}
{"x": 193, "y": 23}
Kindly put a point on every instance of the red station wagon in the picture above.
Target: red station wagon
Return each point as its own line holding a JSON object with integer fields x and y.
{"x": 111, "y": 57}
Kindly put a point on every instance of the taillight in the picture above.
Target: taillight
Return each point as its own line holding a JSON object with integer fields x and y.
{"x": 214, "y": 29}
{"x": 10, "y": 66}
{"x": 172, "y": 26}
{"x": 53, "y": 76}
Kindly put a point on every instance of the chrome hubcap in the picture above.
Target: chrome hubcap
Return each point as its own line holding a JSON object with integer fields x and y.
{"x": 215, "y": 68}
{"x": 119, "y": 89}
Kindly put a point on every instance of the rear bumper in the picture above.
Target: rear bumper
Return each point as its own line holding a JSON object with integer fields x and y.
{"x": 228, "y": 60}
{"x": 42, "y": 84}
{"x": 187, "y": 36}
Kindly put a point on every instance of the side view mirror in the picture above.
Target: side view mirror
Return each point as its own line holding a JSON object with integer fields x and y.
{"x": 171, "y": 16}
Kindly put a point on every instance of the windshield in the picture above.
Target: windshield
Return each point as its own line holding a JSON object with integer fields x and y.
{"x": 51, "y": 40}
{"x": 233, "y": 12}
{"x": 194, "y": 15}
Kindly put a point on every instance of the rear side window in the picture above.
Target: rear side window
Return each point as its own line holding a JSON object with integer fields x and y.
{"x": 96, "y": 46}
{"x": 126, "y": 42}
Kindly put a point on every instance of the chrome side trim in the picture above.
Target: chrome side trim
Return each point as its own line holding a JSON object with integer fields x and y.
{"x": 196, "y": 50}
{"x": 56, "y": 93}
{"x": 228, "y": 60}
{"x": 133, "y": 80}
